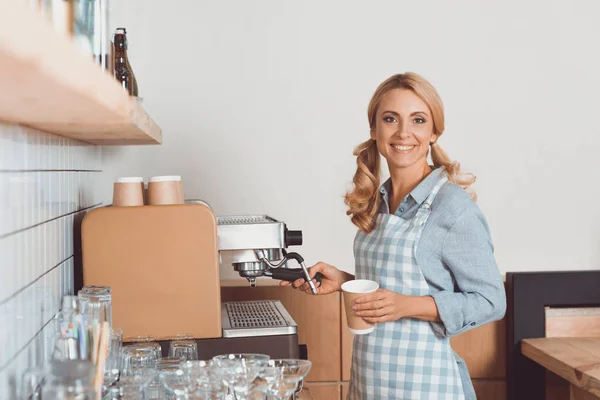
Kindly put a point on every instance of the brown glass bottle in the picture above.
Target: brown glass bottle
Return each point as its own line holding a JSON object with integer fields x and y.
{"x": 123, "y": 71}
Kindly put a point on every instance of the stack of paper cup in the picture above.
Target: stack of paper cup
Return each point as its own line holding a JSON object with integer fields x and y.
{"x": 351, "y": 290}
{"x": 127, "y": 191}
{"x": 165, "y": 190}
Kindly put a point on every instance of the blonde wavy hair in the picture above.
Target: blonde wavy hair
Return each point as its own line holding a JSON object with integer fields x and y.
{"x": 363, "y": 200}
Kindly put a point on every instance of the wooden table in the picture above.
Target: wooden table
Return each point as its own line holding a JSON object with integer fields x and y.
{"x": 575, "y": 359}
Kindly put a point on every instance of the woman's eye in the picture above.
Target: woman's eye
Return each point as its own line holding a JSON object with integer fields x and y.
{"x": 419, "y": 120}
{"x": 389, "y": 119}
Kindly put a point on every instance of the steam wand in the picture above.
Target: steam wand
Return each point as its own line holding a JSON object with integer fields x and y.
{"x": 261, "y": 255}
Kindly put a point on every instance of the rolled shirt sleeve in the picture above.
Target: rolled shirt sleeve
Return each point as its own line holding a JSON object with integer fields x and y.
{"x": 479, "y": 296}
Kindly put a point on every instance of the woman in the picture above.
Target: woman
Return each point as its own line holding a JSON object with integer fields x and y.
{"x": 424, "y": 240}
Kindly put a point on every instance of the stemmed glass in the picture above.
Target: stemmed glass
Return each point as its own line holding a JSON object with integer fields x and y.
{"x": 259, "y": 389}
{"x": 205, "y": 379}
{"x": 284, "y": 375}
{"x": 175, "y": 382}
{"x": 238, "y": 371}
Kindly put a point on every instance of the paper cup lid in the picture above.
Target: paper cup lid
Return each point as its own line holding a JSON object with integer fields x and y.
{"x": 165, "y": 178}
{"x": 360, "y": 286}
{"x": 129, "y": 179}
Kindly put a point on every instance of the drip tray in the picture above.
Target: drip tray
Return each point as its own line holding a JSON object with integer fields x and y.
{"x": 256, "y": 318}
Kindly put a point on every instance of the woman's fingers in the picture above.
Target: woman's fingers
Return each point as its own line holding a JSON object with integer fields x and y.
{"x": 328, "y": 275}
{"x": 371, "y": 313}
{"x": 298, "y": 283}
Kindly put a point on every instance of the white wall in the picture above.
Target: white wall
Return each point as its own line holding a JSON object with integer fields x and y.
{"x": 262, "y": 102}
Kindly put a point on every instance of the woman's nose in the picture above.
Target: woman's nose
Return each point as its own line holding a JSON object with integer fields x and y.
{"x": 403, "y": 130}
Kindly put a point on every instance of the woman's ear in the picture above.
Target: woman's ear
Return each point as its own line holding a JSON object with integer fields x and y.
{"x": 434, "y": 138}
{"x": 373, "y": 135}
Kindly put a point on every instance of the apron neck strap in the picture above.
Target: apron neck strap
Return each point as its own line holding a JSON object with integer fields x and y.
{"x": 436, "y": 189}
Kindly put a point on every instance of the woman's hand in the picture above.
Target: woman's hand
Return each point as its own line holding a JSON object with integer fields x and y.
{"x": 385, "y": 305}
{"x": 380, "y": 306}
{"x": 331, "y": 282}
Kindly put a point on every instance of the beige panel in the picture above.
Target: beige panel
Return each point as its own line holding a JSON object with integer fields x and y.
{"x": 347, "y": 338}
{"x": 162, "y": 265}
{"x": 318, "y": 319}
{"x": 573, "y": 322}
{"x": 490, "y": 389}
{"x": 345, "y": 388}
{"x": 484, "y": 350}
{"x": 320, "y": 391}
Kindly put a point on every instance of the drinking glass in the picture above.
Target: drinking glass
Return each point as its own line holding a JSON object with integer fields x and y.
{"x": 113, "y": 360}
{"x": 95, "y": 304}
{"x": 170, "y": 362}
{"x": 135, "y": 383}
{"x": 70, "y": 379}
{"x": 175, "y": 382}
{"x": 155, "y": 391}
{"x": 289, "y": 373}
{"x": 31, "y": 383}
{"x": 145, "y": 341}
{"x": 124, "y": 391}
{"x": 205, "y": 379}
{"x": 133, "y": 358}
{"x": 258, "y": 390}
{"x": 182, "y": 336}
{"x": 183, "y": 345}
{"x": 238, "y": 371}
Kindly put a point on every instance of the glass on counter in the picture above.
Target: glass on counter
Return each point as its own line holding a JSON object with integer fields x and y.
{"x": 183, "y": 345}
{"x": 95, "y": 304}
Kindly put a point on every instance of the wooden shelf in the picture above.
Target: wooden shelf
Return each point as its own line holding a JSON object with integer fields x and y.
{"x": 48, "y": 84}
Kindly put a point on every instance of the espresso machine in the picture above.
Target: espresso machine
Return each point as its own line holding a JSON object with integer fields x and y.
{"x": 255, "y": 246}
{"x": 162, "y": 264}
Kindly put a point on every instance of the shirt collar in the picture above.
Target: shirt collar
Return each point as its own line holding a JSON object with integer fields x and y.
{"x": 423, "y": 189}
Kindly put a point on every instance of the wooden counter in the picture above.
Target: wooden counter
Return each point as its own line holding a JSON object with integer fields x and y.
{"x": 575, "y": 359}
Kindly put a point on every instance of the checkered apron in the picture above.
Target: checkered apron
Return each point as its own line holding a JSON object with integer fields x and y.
{"x": 402, "y": 359}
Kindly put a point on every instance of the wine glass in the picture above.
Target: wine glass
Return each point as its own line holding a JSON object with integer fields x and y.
{"x": 205, "y": 379}
{"x": 238, "y": 371}
{"x": 287, "y": 374}
{"x": 175, "y": 382}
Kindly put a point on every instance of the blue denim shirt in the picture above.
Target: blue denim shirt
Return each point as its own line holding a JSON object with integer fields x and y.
{"x": 456, "y": 256}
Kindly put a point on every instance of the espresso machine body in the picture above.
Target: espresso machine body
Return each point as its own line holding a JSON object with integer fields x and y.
{"x": 162, "y": 264}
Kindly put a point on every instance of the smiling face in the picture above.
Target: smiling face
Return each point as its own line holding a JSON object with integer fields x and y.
{"x": 403, "y": 129}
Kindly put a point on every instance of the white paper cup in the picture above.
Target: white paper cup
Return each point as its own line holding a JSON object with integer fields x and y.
{"x": 350, "y": 291}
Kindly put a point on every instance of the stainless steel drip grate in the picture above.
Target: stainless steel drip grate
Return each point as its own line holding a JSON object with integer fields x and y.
{"x": 245, "y": 220}
{"x": 256, "y": 318}
{"x": 254, "y": 314}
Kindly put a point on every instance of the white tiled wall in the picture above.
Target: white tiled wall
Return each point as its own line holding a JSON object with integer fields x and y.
{"x": 46, "y": 182}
